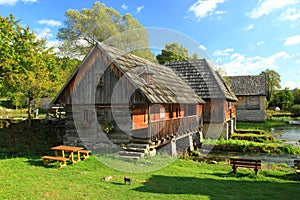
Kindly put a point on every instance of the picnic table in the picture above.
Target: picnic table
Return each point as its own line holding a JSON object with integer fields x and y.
{"x": 64, "y": 153}
{"x": 70, "y": 150}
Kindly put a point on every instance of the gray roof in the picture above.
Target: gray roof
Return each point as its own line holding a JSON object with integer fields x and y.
{"x": 249, "y": 85}
{"x": 203, "y": 79}
{"x": 166, "y": 86}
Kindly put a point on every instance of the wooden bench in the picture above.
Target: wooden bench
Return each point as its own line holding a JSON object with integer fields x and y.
{"x": 246, "y": 163}
{"x": 84, "y": 153}
{"x": 61, "y": 160}
{"x": 297, "y": 164}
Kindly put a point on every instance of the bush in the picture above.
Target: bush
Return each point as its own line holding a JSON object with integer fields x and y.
{"x": 253, "y": 137}
{"x": 295, "y": 109}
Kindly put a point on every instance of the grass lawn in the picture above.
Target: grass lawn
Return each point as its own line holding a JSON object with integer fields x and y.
{"x": 23, "y": 178}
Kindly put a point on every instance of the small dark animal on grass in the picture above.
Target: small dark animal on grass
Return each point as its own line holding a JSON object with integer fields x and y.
{"x": 126, "y": 179}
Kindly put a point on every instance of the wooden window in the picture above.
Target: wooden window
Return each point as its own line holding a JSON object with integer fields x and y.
{"x": 162, "y": 112}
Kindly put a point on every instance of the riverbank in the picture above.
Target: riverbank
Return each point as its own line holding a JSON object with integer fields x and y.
{"x": 244, "y": 146}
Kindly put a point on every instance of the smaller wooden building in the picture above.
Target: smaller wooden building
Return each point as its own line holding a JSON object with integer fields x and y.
{"x": 117, "y": 91}
{"x": 251, "y": 92}
{"x": 219, "y": 112}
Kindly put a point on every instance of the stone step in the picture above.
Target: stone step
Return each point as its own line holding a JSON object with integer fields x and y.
{"x": 130, "y": 154}
{"x": 140, "y": 141}
{"x": 132, "y": 149}
{"x": 138, "y": 145}
{"x": 131, "y": 157}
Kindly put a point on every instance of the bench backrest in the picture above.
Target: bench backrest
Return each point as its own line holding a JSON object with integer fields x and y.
{"x": 244, "y": 161}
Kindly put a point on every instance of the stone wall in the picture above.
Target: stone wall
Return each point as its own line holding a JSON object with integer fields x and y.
{"x": 251, "y": 115}
{"x": 178, "y": 146}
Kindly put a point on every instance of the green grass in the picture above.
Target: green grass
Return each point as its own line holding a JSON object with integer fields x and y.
{"x": 261, "y": 126}
{"x": 23, "y": 175}
{"x": 23, "y": 178}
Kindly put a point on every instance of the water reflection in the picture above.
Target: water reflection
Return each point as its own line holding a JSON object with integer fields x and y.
{"x": 289, "y": 134}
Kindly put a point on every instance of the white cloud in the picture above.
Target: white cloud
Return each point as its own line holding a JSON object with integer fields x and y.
{"x": 265, "y": 7}
{"x": 292, "y": 40}
{"x": 124, "y": 6}
{"x": 29, "y": 1}
{"x": 50, "y": 22}
{"x": 291, "y": 14}
{"x": 55, "y": 44}
{"x": 138, "y": 9}
{"x": 8, "y": 2}
{"x": 202, "y": 47}
{"x": 43, "y": 33}
{"x": 250, "y": 27}
{"x": 220, "y": 12}
{"x": 239, "y": 64}
{"x": 290, "y": 84}
{"x": 13, "y": 2}
{"x": 259, "y": 43}
{"x": 204, "y": 8}
{"x": 224, "y": 52}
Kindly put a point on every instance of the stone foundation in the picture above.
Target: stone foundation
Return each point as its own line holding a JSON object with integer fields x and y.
{"x": 181, "y": 145}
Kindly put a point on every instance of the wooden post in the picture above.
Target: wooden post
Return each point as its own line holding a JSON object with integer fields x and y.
{"x": 149, "y": 122}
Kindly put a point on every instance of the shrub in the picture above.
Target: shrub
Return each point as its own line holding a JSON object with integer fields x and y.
{"x": 253, "y": 137}
{"x": 295, "y": 109}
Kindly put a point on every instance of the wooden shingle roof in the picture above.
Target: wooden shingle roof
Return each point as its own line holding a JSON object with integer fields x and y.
{"x": 203, "y": 79}
{"x": 165, "y": 87}
{"x": 249, "y": 85}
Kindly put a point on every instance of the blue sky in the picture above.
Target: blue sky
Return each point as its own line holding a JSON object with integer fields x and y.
{"x": 243, "y": 37}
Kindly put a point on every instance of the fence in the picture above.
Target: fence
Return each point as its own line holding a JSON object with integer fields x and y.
{"x": 6, "y": 113}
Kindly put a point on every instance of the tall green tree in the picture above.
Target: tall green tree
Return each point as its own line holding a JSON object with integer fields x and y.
{"x": 273, "y": 82}
{"x": 283, "y": 98}
{"x": 174, "y": 52}
{"x": 27, "y": 68}
{"x": 296, "y": 94}
{"x": 101, "y": 24}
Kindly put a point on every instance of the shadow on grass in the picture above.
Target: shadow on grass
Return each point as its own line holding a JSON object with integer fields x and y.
{"x": 293, "y": 176}
{"x": 220, "y": 188}
{"x": 38, "y": 162}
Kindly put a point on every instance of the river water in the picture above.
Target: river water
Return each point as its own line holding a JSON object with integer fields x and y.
{"x": 290, "y": 134}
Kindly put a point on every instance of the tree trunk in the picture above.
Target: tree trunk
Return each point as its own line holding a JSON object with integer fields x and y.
{"x": 29, "y": 111}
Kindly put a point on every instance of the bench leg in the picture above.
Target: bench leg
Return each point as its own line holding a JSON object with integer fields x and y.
{"x": 85, "y": 156}
{"x": 256, "y": 170}
{"x": 234, "y": 169}
{"x": 62, "y": 163}
{"x": 46, "y": 161}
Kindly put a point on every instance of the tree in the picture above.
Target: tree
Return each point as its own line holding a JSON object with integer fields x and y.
{"x": 174, "y": 52}
{"x": 283, "y": 98}
{"x": 273, "y": 82}
{"x": 296, "y": 94}
{"x": 67, "y": 67}
{"x": 27, "y": 68}
{"x": 101, "y": 24}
